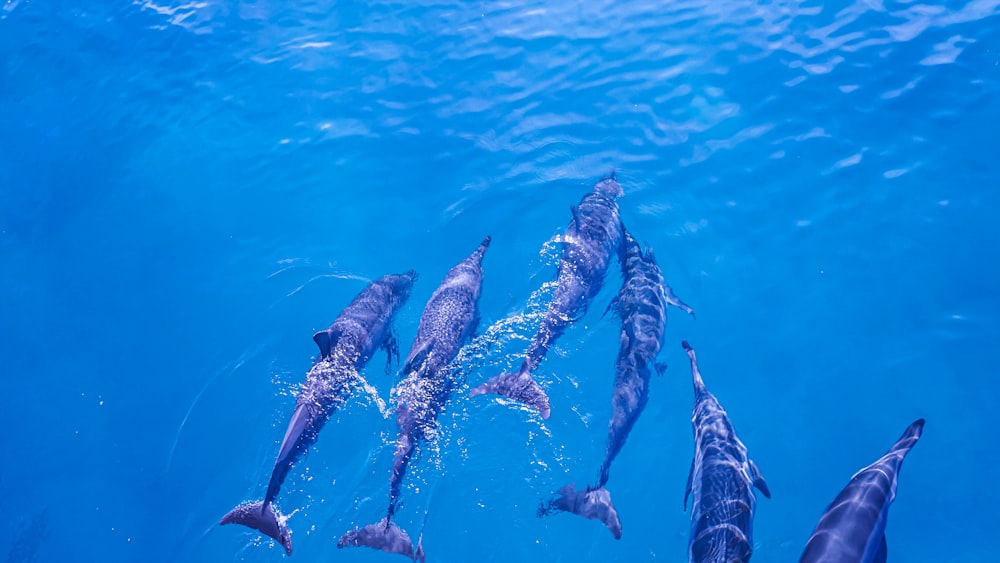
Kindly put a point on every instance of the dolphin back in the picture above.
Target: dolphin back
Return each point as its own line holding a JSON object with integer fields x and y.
{"x": 592, "y": 237}
{"x": 721, "y": 480}
{"x": 448, "y": 319}
{"x": 853, "y": 526}
{"x": 365, "y": 323}
{"x": 344, "y": 348}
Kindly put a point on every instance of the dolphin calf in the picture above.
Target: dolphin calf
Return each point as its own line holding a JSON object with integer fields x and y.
{"x": 852, "y": 530}
{"x": 362, "y": 327}
{"x": 587, "y": 246}
{"x": 642, "y": 305}
{"x": 449, "y": 319}
{"x": 722, "y": 479}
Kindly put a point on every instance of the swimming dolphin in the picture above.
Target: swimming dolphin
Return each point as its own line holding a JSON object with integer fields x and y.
{"x": 852, "y": 530}
{"x": 449, "y": 319}
{"x": 642, "y": 305}
{"x": 587, "y": 246}
{"x": 722, "y": 479}
{"x": 362, "y": 327}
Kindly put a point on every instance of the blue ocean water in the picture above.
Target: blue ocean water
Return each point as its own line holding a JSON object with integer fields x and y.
{"x": 188, "y": 190}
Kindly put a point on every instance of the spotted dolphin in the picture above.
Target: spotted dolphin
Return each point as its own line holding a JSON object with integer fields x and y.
{"x": 362, "y": 327}
{"x": 852, "y": 530}
{"x": 448, "y": 321}
{"x": 642, "y": 304}
{"x": 722, "y": 479}
{"x": 594, "y": 235}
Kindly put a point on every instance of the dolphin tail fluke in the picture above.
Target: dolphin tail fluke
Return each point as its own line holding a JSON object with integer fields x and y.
{"x": 384, "y": 535}
{"x": 263, "y": 518}
{"x": 518, "y": 386}
{"x": 592, "y": 502}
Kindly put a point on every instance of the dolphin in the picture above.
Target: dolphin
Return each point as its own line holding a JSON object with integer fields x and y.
{"x": 362, "y": 327}
{"x": 594, "y": 233}
{"x": 722, "y": 479}
{"x": 852, "y": 530}
{"x": 448, "y": 321}
{"x": 642, "y": 305}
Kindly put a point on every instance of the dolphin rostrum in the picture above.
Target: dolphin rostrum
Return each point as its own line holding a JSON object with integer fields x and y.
{"x": 642, "y": 304}
{"x": 449, "y": 319}
{"x": 852, "y": 530}
{"x": 362, "y": 327}
{"x": 722, "y": 479}
{"x": 594, "y": 233}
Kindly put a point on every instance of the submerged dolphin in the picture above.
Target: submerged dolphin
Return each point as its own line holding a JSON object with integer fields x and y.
{"x": 642, "y": 305}
{"x": 449, "y": 319}
{"x": 594, "y": 234}
{"x": 722, "y": 479}
{"x": 362, "y": 327}
{"x": 852, "y": 530}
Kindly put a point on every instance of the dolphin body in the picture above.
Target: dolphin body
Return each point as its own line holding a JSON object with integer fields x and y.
{"x": 722, "y": 479}
{"x": 362, "y": 327}
{"x": 642, "y": 304}
{"x": 448, "y": 321}
{"x": 852, "y": 530}
{"x": 587, "y": 246}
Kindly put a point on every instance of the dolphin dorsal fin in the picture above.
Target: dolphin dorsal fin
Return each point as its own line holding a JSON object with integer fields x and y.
{"x": 326, "y": 340}
{"x": 687, "y": 489}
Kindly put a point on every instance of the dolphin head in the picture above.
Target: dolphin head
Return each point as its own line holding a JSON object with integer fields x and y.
{"x": 610, "y": 187}
{"x": 401, "y": 284}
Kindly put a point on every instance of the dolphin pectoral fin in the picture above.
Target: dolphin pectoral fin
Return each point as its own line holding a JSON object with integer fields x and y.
{"x": 593, "y": 503}
{"x": 326, "y": 340}
{"x": 687, "y": 488}
{"x": 576, "y": 217}
{"x": 883, "y": 552}
{"x": 518, "y": 386}
{"x": 672, "y": 299}
{"x": 263, "y": 518}
{"x": 613, "y": 306}
{"x": 474, "y": 326}
{"x": 391, "y": 346}
{"x": 384, "y": 535}
{"x": 417, "y": 357}
{"x": 758, "y": 480}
